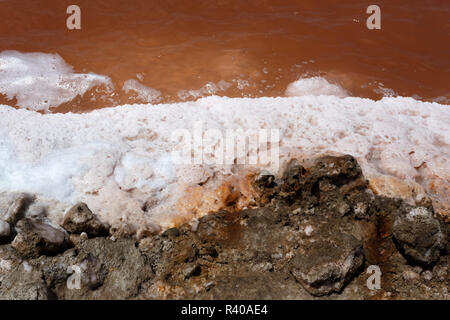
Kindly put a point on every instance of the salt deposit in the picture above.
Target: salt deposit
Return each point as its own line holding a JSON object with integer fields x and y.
{"x": 119, "y": 160}
{"x": 315, "y": 86}
{"x": 208, "y": 89}
{"x": 143, "y": 93}
{"x": 39, "y": 81}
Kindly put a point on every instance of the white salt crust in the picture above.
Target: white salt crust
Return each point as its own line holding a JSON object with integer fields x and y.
{"x": 118, "y": 159}
{"x": 314, "y": 86}
{"x": 143, "y": 93}
{"x": 39, "y": 81}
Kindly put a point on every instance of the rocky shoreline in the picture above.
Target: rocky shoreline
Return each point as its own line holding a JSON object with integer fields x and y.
{"x": 314, "y": 235}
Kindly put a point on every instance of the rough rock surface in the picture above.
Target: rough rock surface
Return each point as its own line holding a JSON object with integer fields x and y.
{"x": 80, "y": 219}
{"x": 420, "y": 235}
{"x": 18, "y": 280}
{"x": 313, "y": 235}
{"x": 35, "y": 238}
{"x": 14, "y": 206}
{"x": 328, "y": 263}
{"x": 5, "y": 230}
{"x": 109, "y": 270}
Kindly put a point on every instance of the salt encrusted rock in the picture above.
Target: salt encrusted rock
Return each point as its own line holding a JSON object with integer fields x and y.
{"x": 172, "y": 232}
{"x": 339, "y": 169}
{"x": 19, "y": 280}
{"x": 14, "y": 206}
{"x": 315, "y": 234}
{"x": 36, "y": 211}
{"x": 328, "y": 264}
{"x": 5, "y": 229}
{"x": 122, "y": 230}
{"x": 420, "y": 236}
{"x": 264, "y": 179}
{"x": 35, "y": 238}
{"x": 75, "y": 238}
{"x": 410, "y": 275}
{"x": 93, "y": 272}
{"x": 80, "y": 219}
{"x": 191, "y": 270}
{"x": 109, "y": 270}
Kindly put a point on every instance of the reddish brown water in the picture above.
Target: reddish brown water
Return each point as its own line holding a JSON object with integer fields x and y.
{"x": 174, "y": 44}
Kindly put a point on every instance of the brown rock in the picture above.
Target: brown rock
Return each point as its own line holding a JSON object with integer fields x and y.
{"x": 16, "y": 209}
{"x": 35, "y": 238}
{"x": 80, "y": 219}
{"x": 420, "y": 236}
{"x": 5, "y": 230}
{"x": 328, "y": 264}
{"x": 122, "y": 230}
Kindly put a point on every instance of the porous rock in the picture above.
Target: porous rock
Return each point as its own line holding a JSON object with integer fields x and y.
{"x": 328, "y": 264}
{"x": 13, "y": 206}
{"x": 36, "y": 237}
{"x": 420, "y": 236}
{"x": 5, "y": 230}
{"x": 308, "y": 238}
{"x": 80, "y": 219}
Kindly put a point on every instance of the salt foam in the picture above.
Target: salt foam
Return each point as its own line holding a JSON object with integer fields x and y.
{"x": 315, "y": 86}
{"x": 39, "y": 81}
